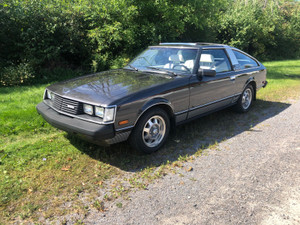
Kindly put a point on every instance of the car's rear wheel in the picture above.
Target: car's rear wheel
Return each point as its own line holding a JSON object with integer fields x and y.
{"x": 151, "y": 131}
{"x": 245, "y": 100}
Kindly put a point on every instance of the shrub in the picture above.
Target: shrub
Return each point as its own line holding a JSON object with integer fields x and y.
{"x": 265, "y": 29}
{"x": 16, "y": 74}
{"x": 97, "y": 35}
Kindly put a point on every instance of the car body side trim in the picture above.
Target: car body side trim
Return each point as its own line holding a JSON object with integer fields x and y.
{"x": 124, "y": 128}
{"x": 210, "y": 103}
{"x": 200, "y": 106}
{"x": 181, "y": 112}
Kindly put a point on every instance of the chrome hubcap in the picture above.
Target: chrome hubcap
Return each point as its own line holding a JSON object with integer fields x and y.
{"x": 247, "y": 98}
{"x": 154, "y": 131}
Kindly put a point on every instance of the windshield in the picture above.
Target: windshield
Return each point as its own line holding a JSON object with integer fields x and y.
{"x": 176, "y": 60}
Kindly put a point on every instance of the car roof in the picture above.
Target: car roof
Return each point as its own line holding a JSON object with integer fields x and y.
{"x": 192, "y": 44}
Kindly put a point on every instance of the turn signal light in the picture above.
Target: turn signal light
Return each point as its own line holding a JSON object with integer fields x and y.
{"x": 123, "y": 122}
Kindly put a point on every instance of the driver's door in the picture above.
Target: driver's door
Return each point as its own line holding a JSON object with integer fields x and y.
{"x": 211, "y": 93}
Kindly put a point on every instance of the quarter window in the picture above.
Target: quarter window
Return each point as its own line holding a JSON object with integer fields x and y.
{"x": 245, "y": 61}
{"x": 215, "y": 59}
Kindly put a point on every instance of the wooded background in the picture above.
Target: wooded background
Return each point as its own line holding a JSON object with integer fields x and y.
{"x": 94, "y": 35}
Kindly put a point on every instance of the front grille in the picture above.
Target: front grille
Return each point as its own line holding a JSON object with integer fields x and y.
{"x": 67, "y": 105}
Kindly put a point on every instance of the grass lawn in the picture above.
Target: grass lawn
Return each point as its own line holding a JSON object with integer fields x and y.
{"x": 42, "y": 168}
{"x": 284, "y": 80}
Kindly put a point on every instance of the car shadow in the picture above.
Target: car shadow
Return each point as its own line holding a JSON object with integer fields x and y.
{"x": 187, "y": 139}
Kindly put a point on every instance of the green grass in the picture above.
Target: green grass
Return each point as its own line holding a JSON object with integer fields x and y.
{"x": 284, "y": 80}
{"x": 42, "y": 167}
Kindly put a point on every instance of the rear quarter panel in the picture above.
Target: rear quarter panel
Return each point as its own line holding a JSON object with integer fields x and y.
{"x": 244, "y": 77}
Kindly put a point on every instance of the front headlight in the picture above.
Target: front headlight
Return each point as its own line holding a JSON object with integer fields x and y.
{"x": 88, "y": 109}
{"x": 109, "y": 114}
{"x": 99, "y": 111}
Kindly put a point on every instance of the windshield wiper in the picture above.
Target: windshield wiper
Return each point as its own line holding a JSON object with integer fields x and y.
{"x": 161, "y": 69}
{"x": 132, "y": 67}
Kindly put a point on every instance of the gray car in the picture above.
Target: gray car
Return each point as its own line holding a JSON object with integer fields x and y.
{"x": 166, "y": 85}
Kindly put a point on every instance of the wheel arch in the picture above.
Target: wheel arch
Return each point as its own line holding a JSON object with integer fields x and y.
{"x": 251, "y": 81}
{"x": 162, "y": 103}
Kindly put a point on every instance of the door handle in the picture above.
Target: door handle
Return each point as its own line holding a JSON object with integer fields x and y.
{"x": 232, "y": 77}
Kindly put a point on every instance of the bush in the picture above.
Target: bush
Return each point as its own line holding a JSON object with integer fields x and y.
{"x": 265, "y": 29}
{"x": 16, "y": 74}
{"x": 97, "y": 35}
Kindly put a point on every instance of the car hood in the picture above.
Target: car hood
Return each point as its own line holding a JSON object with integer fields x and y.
{"x": 105, "y": 87}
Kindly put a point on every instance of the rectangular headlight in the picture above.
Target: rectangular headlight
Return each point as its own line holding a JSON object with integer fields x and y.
{"x": 109, "y": 114}
{"x": 99, "y": 111}
{"x": 88, "y": 109}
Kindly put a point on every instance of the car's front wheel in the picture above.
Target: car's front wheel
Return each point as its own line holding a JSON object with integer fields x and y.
{"x": 151, "y": 131}
{"x": 245, "y": 101}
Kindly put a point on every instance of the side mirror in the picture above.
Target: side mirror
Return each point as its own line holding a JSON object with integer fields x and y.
{"x": 205, "y": 72}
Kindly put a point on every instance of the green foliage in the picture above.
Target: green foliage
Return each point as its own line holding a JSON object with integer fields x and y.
{"x": 16, "y": 74}
{"x": 97, "y": 35}
{"x": 265, "y": 29}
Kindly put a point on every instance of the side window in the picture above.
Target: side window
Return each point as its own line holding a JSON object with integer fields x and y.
{"x": 215, "y": 59}
{"x": 244, "y": 61}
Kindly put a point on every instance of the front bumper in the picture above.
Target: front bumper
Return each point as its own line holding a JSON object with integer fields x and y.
{"x": 92, "y": 132}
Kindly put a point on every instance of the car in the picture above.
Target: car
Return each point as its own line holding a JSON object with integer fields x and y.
{"x": 164, "y": 86}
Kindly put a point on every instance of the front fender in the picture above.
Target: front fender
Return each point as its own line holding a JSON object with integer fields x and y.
{"x": 154, "y": 102}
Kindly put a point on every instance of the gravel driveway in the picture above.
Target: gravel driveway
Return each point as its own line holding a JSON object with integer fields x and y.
{"x": 254, "y": 178}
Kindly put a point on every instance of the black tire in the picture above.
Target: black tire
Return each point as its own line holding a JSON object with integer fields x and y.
{"x": 245, "y": 100}
{"x": 151, "y": 131}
